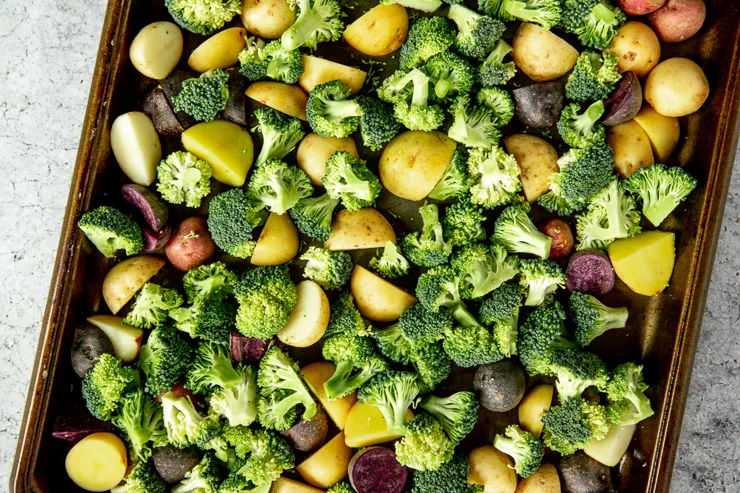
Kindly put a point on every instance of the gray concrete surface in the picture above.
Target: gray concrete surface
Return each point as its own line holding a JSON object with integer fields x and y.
{"x": 47, "y": 51}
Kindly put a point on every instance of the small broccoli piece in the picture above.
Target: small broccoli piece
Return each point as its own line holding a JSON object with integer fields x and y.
{"x": 471, "y": 345}
{"x": 428, "y": 36}
{"x": 392, "y": 392}
{"x": 425, "y": 446}
{"x": 343, "y": 486}
{"x": 482, "y": 269}
{"x": 494, "y": 177}
{"x": 450, "y": 73}
{"x": 515, "y": 230}
{"x": 523, "y": 447}
{"x": 540, "y": 278}
{"x": 152, "y": 304}
{"x": 432, "y": 365}
{"x": 207, "y": 318}
{"x": 209, "y": 281}
{"x": 164, "y": 359}
{"x": 232, "y": 217}
{"x": 262, "y": 456}
{"x": 554, "y": 201}
{"x": 212, "y": 369}
{"x": 329, "y": 111}
{"x": 542, "y": 333}
{"x": 184, "y": 425}
{"x": 278, "y": 186}
{"x": 237, "y": 483}
{"x": 439, "y": 287}
{"x": 391, "y": 263}
{"x": 451, "y": 477}
{"x": 498, "y": 100}
{"x": 330, "y": 269}
{"x": 594, "y": 77}
{"x": 457, "y": 413}
{"x": 463, "y": 223}
{"x": 345, "y": 317}
{"x": 546, "y": 13}
{"x": 140, "y": 420}
{"x": 266, "y": 296}
{"x": 313, "y": 215}
{"x": 348, "y": 179}
{"x": 203, "y": 97}
{"x": 661, "y": 189}
{"x": 105, "y": 383}
{"x": 318, "y": 21}
{"x": 610, "y": 215}
{"x": 238, "y": 403}
{"x": 423, "y": 5}
{"x": 110, "y": 231}
{"x": 592, "y": 318}
{"x": 494, "y": 71}
{"x": 142, "y": 479}
{"x": 473, "y": 125}
{"x": 203, "y": 478}
{"x": 428, "y": 247}
{"x": 579, "y": 129}
{"x": 454, "y": 182}
{"x": 285, "y": 65}
{"x": 595, "y": 22}
{"x": 476, "y": 34}
{"x": 572, "y": 425}
{"x": 357, "y": 361}
{"x": 280, "y": 134}
{"x": 183, "y": 178}
{"x": 501, "y": 312}
{"x": 418, "y": 114}
{"x": 253, "y": 59}
{"x": 378, "y": 124}
{"x": 203, "y": 16}
{"x": 394, "y": 345}
{"x": 628, "y": 404}
{"x": 576, "y": 370}
{"x": 422, "y": 326}
{"x": 282, "y": 390}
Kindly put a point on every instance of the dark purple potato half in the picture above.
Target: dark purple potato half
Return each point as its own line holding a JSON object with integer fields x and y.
{"x": 88, "y": 345}
{"x": 76, "y": 423}
{"x": 152, "y": 208}
{"x": 247, "y": 349}
{"x": 625, "y": 101}
{"x": 155, "y": 240}
{"x": 590, "y": 271}
{"x": 582, "y": 474}
{"x": 236, "y": 105}
{"x": 158, "y": 108}
{"x": 376, "y": 470}
{"x": 539, "y": 105}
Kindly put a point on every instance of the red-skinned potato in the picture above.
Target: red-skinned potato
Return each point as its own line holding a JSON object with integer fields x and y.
{"x": 640, "y": 7}
{"x": 562, "y": 238}
{"x": 190, "y": 244}
{"x": 625, "y": 102}
{"x": 678, "y": 20}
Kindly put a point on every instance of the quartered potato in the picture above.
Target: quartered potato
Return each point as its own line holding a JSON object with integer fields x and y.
{"x": 136, "y": 147}
{"x": 380, "y": 31}
{"x": 219, "y": 51}
{"x": 319, "y": 70}
{"x": 285, "y": 98}
{"x": 376, "y": 298}
{"x": 356, "y": 230}
{"x": 157, "y": 49}
{"x": 226, "y": 146}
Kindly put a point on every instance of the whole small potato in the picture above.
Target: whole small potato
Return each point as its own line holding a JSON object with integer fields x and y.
{"x": 678, "y": 20}
{"x": 562, "y": 238}
{"x": 640, "y": 7}
{"x": 157, "y": 49}
{"x": 190, "y": 244}
{"x": 380, "y": 31}
{"x": 501, "y": 385}
{"x": 631, "y": 146}
{"x": 541, "y": 54}
{"x": 172, "y": 463}
{"x": 676, "y": 87}
{"x": 89, "y": 344}
{"x": 308, "y": 435}
{"x": 636, "y": 47}
{"x": 267, "y": 19}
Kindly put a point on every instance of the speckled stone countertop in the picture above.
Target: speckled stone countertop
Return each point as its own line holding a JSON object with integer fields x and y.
{"x": 46, "y": 61}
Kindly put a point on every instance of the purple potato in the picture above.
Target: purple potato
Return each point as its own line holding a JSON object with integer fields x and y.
{"x": 236, "y": 105}
{"x": 172, "y": 85}
{"x": 590, "y": 272}
{"x": 539, "y": 105}
{"x": 150, "y": 206}
{"x": 155, "y": 240}
{"x": 158, "y": 108}
{"x": 501, "y": 385}
{"x": 89, "y": 344}
{"x": 582, "y": 474}
{"x": 308, "y": 435}
{"x": 76, "y": 423}
{"x": 247, "y": 349}
{"x": 625, "y": 101}
{"x": 376, "y": 470}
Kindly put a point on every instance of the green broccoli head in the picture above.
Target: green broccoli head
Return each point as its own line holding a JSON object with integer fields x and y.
{"x": 439, "y": 288}
{"x": 494, "y": 71}
{"x": 183, "y": 178}
{"x": 211, "y": 369}
{"x": 313, "y": 215}
{"x": 392, "y": 392}
{"x": 140, "y": 420}
{"x": 262, "y": 456}
{"x": 450, "y": 73}
{"x": 499, "y": 101}
{"x": 542, "y": 333}
{"x": 253, "y": 59}
{"x": 572, "y": 425}
{"x": 341, "y": 487}
{"x": 378, "y": 124}
{"x": 501, "y": 312}
{"x": 357, "y": 361}
{"x": 494, "y": 177}
{"x": 428, "y": 36}
{"x": 611, "y": 214}
{"x": 515, "y": 231}
{"x": 203, "y": 16}
{"x": 470, "y": 346}
{"x": 451, "y": 477}
{"x": 232, "y": 217}
{"x": 660, "y": 189}
{"x": 523, "y": 447}
{"x": 105, "y": 383}
{"x": 284, "y": 65}
{"x": 546, "y": 13}
{"x": 151, "y": 306}
{"x": 554, "y": 201}
{"x": 540, "y": 278}
{"x": 390, "y": 263}
{"x": 209, "y": 281}
{"x": 432, "y": 364}
{"x": 330, "y": 269}
{"x": 417, "y": 114}
{"x": 473, "y": 125}
{"x": 164, "y": 359}
{"x": 110, "y": 231}
{"x": 281, "y": 390}
{"x": 595, "y": 22}
{"x": 454, "y": 182}
{"x": 626, "y": 393}
{"x": 425, "y": 446}
{"x": 329, "y": 111}
{"x": 203, "y": 478}
{"x": 203, "y": 97}
{"x": 463, "y": 223}
{"x": 594, "y": 77}
{"x": 142, "y": 479}
{"x": 482, "y": 268}
{"x": 422, "y": 326}
{"x": 280, "y": 134}
{"x": 345, "y": 317}
{"x": 427, "y": 248}
{"x": 579, "y": 129}
{"x": 318, "y": 21}
{"x": 207, "y": 318}
{"x": 394, "y": 345}
{"x": 576, "y": 370}
{"x": 347, "y": 178}
{"x": 457, "y": 413}
{"x": 184, "y": 425}
{"x": 238, "y": 403}
{"x": 278, "y": 186}
{"x": 266, "y": 296}
{"x": 592, "y": 318}
{"x": 476, "y": 34}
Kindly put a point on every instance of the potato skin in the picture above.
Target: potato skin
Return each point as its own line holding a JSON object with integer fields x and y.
{"x": 663, "y": 131}
{"x": 640, "y": 7}
{"x": 89, "y": 344}
{"x": 537, "y": 160}
{"x": 492, "y": 469}
{"x": 544, "y": 480}
{"x": 562, "y": 238}
{"x": 678, "y": 20}
{"x": 636, "y": 47}
{"x": 315, "y": 150}
{"x": 541, "y": 54}
{"x": 676, "y": 87}
{"x": 267, "y": 19}
{"x": 190, "y": 244}
{"x": 308, "y": 435}
{"x": 380, "y": 31}
{"x": 631, "y": 147}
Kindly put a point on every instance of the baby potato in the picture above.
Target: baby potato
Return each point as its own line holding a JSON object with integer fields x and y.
{"x": 678, "y": 20}
{"x": 676, "y": 87}
{"x": 285, "y": 98}
{"x": 219, "y": 51}
{"x": 136, "y": 147}
{"x": 315, "y": 150}
{"x": 267, "y": 19}
{"x": 380, "y": 31}
{"x": 97, "y": 462}
{"x": 541, "y": 54}
{"x": 537, "y": 160}
{"x": 278, "y": 242}
{"x": 631, "y": 147}
{"x": 533, "y": 406}
{"x": 636, "y": 47}
{"x": 318, "y": 70}
{"x": 357, "y": 230}
{"x": 544, "y": 480}
{"x": 492, "y": 469}
{"x": 378, "y": 299}
{"x": 663, "y": 131}
{"x": 157, "y": 49}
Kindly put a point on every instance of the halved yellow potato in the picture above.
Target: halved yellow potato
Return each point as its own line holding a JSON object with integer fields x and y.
{"x": 644, "y": 262}
{"x": 319, "y": 70}
{"x": 97, "y": 462}
{"x": 380, "y": 31}
{"x": 309, "y": 319}
{"x": 226, "y": 146}
{"x": 663, "y": 131}
{"x": 315, "y": 150}
{"x": 278, "y": 242}
{"x": 136, "y": 147}
{"x": 285, "y": 98}
{"x": 267, "y": 19}
{"x": 541, "y": 54}
{"x": 492, "y": 469}
{"x": 533, "y": 407}
{"x": 315, "y": 375}
{"x": 355, "y": 230}
{"x": 544, "y": 480}
{"x": 537, "y": 160}
{"x": 378, "y": 299}
{"x": 287, "y": 485}
{"x": 126, "y": 339}
{"x": 125, "y": 279}
{"x": 610, "y": 450}
{"x": 328, "y": 465}
{"x": 631, "y": 147}
{"x": 366, "y": 426}
{"x": 219, "y": 51}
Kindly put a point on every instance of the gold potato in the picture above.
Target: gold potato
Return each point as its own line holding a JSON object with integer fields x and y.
{"x": 380, "y": 31}
{"x": 309, "y": 319}
{"x": 676, "y": 87}
{"x": 315, "y": 375}
{"x": 318, "y": 70}
{"x": 97, "y": 462}
{"x": 366, "y": 426}
{"x": 378, "y": 299}
{"x": 267, "y": 19}
{"x": 156, "y": 49}
{"x": 136, "y": 147}
{"x": 663, "y": 131}
{"x": 226, "y": 146}
{"x": 631, "y": 147}
{"x": 492, "y": 469}
{"x": 541, "y": 54}
{"x": 285, "y": 98}
{"x": 328, "y": 465}
{"x": 219, "y": 51}
{"x": 544, "y": 480}
{"x": 287, "y": 485}
{"x": 125, "y": 279}
{"x": 610, "y": 450}
{"x": 636, "y": 47}
{"x": 315, "y": 150}
{"x": 533, "y": 407}
{"x": 537, "y": 160}
{"x": 356, "y": 230}
{"x": 278, "y": 242}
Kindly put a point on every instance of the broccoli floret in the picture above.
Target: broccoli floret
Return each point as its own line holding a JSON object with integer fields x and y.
{"x": 393, "y": 344}
{"x": 494, "y": 71}
{"x": 595, "y": 22}
{"x": 285, "y": 65}
{"x": 476, "y": 34}
{"x": 329, "y": 111}
{"x": 417, "y": 113}
{"x": 203, "y": 16}
{"x": 318, "y": 21}
{"x": 151, "y": 306}
{"x": 626, "y": 394}
{"x": 422, "y": 326}
{"x": 576, "y": 370}
{"x": 348, "y": 179}
{"x": 501, "y": 312}
{"x": 494, "y": 177}
{"x": 423, "y": 5}
{"x": 515, "y": 230}
{"x": 345, "y": 317}
{"x": 471, "y": 345}
{"x": 164, "y": 359}
{"x": 610, "y": 215}
{"x": 473, "y": 125}
{"x": 211, "y": 369}
{"x": 282, "y": 390}
{"x": 262, "y": 456}
{"x": 451, "y": 477}
{"x": 424, "y": 446}
{"x": 203, "y": 478}
{"x": 523, "y": 447}
{"x": 391, "y": 263}
{"x": 572, "y": 425}
{"x": 593, "y": 78}
{"x": 203, "y": 97}
{"x": 432, "y": 365}
{"x": 498, "y": 100}
{"x": 140, "y": 420}
{"x": 237, "y": 483}
{"x": 428, "y": 247}
{"x": 253, "y": 59}
{"x": 278, "y": 186}
{"x": 183, "y": 178}
{"x": 266, "y": 296}
{"x": 450, "y": 73}
{"x": 280, "y": 134}
{"x": 546, "y": 13}
{"x": 232, "y": 217}
{"x": 110, "y": 231}
{"x": 142, "y": 479}
{"x": 312, "y": 216}
{"x": 592, "y": 318}
{"x": 392, "y": 392}
{"x": 428, "y": 36}
{"x": 661, "y": 189}
{"x": 209, "y": 281}
{"x": 463, "y": 223}
{"x": 330, "y": 269}
{"x": 105, "y": 383}
{"x": 357, "y": 361}
{"x": 482, "y": 269}
{"x": 341, "y": 487}
{"x": 554, "y": 201}
{"x": 238, "y": 403}
{"x": 541, "y": 334}
{"x": 579, "y": 129}
{"x": 439, "y": 288}
{"x": 378, "y": 124}
{"x": 454, "y": 182}
{"x": 457, "y": 413}
{"x": 540, "y": 278}
{"x": 184, "y": 425}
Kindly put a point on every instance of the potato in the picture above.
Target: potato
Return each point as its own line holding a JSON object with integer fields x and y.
{"x": 126, "y": 278}
{"x": 380, "y": 31}
{"x": 278, "y": 242}
{"x": 562, "y": 238}
{"x": 97, "y": 462}
{"x": 318, "y": 70}
{"x": 378, "y": 299}
{"x": 172, "y": 463}
{"x": 315, "y": 375}
{"x": 532, "y": 407}
{"x": 676, "y": 87}
{"x": 631, "y": 147}
{"x": 636, "y": 47}
{"x": 308, "y": 435}
{"x": 328, "y": 465}
{"x": 89, "y": 343}
{"x": 662, "y": 131}
{"x": 678, "y": 20}
{"x": 356, "y": 230}
{"x": 492, "y": 469}
{"x": 640, "y": 7}
{"x": 315, "y": 150}
{"x": 126, "y": 339}
{"x": 218, "y": 51}
{"x": 413, "y": 162}
{"x": 539, "y": 105}
{"x": 287, "y": 485}
{"x": 644, "y": 262}
{"x": 157, "y": 49}
{"x": 285, "y": 98}
{"x": 537, "y": 159}
{"x": 309, "y": 319}
{"x": 544, "y": 480}
{"x": 366, "y": 426}
{"x": 625, "y": 102}
{"x": 610, "y": 450}
{"x": 136, "y": 147}
{"x": 267, "y": 19}
{"x": 226, "y": 146}
{"x": 191, "y": 244}
{"x": 541, "y": 54}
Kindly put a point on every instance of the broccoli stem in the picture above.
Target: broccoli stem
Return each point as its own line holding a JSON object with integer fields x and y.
{"x": 343, "y": 382}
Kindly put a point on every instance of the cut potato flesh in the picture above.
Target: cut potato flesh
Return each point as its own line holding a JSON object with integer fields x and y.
{"x": 356, "y": 230}
{"x": 219, "y": 51}
{"x": 376, "y": 298}
{"x": 328, "y": 465}
{"x": 315, "y": 375}
{"x": 644, "y": 262}
{"x": 124, "y": 280}
{"x": 309, "y": 319}
{"x": 226, "y": 146}
{"x": 286, "y": 485}
{"x": 136, "y": 146}
{"x": 318, "y": 70}
{"x": 610, "y": 450}
{"x": 97, "y": 462}
{"x": 278, "y": 242}
{"x": 366, "y": 426}
{"x": 285, "y": 98}
{"x": 533, "y": 406}
{"x": 126, "y": 339}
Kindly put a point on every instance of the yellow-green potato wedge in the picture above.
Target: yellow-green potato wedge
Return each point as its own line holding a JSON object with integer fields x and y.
{"x": 414, "y": 161}
{"x": 156, "y": 49}
{"x": 492, "y": 469}
{"x": 309, "y": 319}
{"x": 644, "y": 262}
{"x": 328, "y": 465}
{"x": 126, "y": 339}
{"x": 541, "y": 54}
{"x": 380, "y": 31}
{"x": 98, "y": 462}
{"x": 315, "y": 375}
{"x": 663, "y": 131}
{"x": 676, "y": 87}
{"x": 636, "y": 47}
{"x": 319, "y": 70}
{"x": 610, "y": 450}
{"x": 267, "y": 19}
{"x": 287, "y": 485}
{"x": 537, "y": 160}
{"x": 315, "y": 150}
{"x": 357, "y": 230}
{"x": 366, "y": 426}
{"x": 278, "y": 242}
{"x": 125, "y": 279}
{"x": 631, "y": 147}
{"x": 136, "y": 147}
{"x": 219, "y": 51}
{"x": 544, "y": 480}
{"x": 533, "y": 407}
{"x": 226, "y": 146}
{"x": 376, "y": 298}
{"x": 285, "y": 98}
